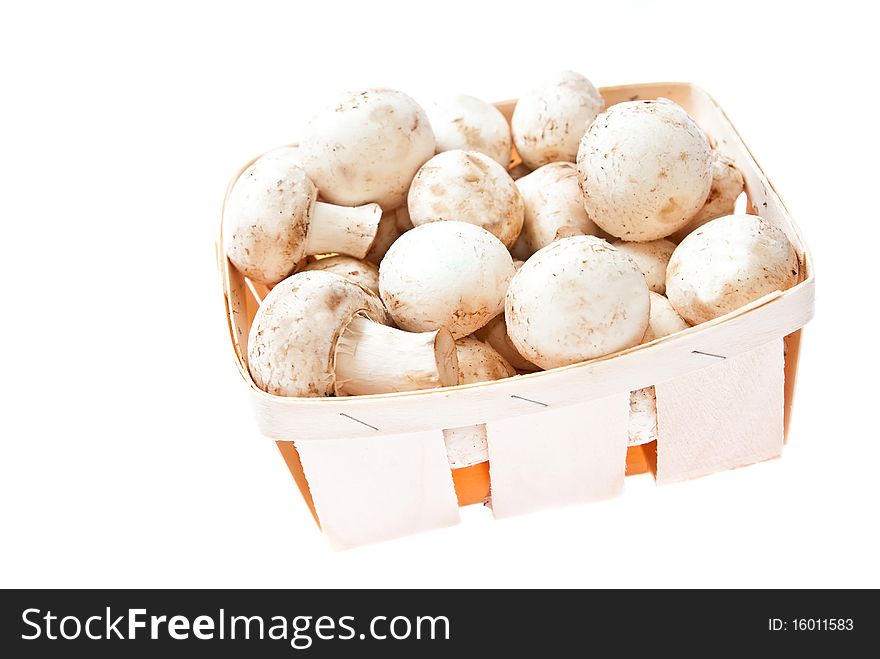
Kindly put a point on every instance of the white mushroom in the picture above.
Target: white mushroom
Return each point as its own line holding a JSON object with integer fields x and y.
{"x": 478, "y": 362}
{"x": 664, "y": 319}
{"x": 549, "y": 121}
{"x": 445, "y": 274}
{"x": 465, "y": 122}
{"x": 642, "y": 427}
{"x": 494, "y": 333}
{"x": 318, "y": 334}
{"x": 727, "y": 186}
{"x": 552, "y": 200}
{"x": 651, "y": 257}
{"x": 643, "y": 402}
{"x": 576, "y": 299}
{"x": 360, "y": 272}
{"x": 469, "y": 187}
{"x": 272, "y": 219}
{"x": 645, "y": 169}
{"x": 367, "y": 146}
{"x": 727, "y": 263}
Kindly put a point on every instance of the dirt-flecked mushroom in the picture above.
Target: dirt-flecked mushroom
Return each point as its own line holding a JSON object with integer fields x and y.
{"x": 664, "y": 319}
{"x": 366, "y": 147}
{"x": 552, "y": 200}
{"x": 727, "y": 186}
{"x": 576, "y": 299}
{"x": 478, "y": 362}
{"x": 465, "y": 122}
{"x": 651, "y": 257}
{"x": 645, "y": 169}
{"x": 727, "y": 263}
{"x": 469, "y": 187}
{"x": 445, "y": 274}
{"x": 643, "y": 402}
{"x": 549, "y": 121}
{"x": 360, "y": 272}
{"x": 642, "y": 426}
{"x": 272, "y": 219}
{"x": 318, "y": 334}
{"x": 494, "y": 333}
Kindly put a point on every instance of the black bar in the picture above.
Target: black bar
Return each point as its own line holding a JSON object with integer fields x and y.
{"x": 545, "y": 623}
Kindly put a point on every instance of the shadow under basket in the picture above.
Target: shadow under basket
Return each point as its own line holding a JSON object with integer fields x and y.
{"x": 375, "y": 467}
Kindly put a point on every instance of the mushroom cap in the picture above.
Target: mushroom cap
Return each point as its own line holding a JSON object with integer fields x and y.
{"x": 727, "y": 185}
{"x": 469, "y": 187}
{"x": 651, "y": 257}
{"x": 576, "y": 299}
{"x": 445, "y": 274}
{"x": 663, "y": 320}
{"x": 549, "y": 121}
{"x": 363, "y": 273}
{"x": 366, "y": 147}
{"x": 494, "y": 333}
{"x": 292, "y": 342}
{"x": 645, "y": 169}
{"x": 266, "y": 216}
{"x": 465, "y": 122}
{"x": 727, "y": 263}
{"x": 480, "y": 362}
{"x": 553, "y": 200}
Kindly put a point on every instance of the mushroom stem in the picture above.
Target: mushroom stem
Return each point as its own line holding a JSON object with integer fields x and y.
{"x": 343, "y": 229}
{"x": 372, "y": 358}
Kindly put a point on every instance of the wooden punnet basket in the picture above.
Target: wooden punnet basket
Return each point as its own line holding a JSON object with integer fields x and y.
{"x": 375, "y": 467}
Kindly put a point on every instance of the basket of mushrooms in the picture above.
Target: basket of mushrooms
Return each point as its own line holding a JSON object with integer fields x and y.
{"x": 515, "y": 304}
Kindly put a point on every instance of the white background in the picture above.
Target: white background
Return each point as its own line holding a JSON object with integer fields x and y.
{"x": 130, "y": 456}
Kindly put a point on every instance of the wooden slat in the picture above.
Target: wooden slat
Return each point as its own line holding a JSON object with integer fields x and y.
{"x": 391, "y": 486}
{"x": 559, "y": 457}
{"x": 729, "y": 415}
